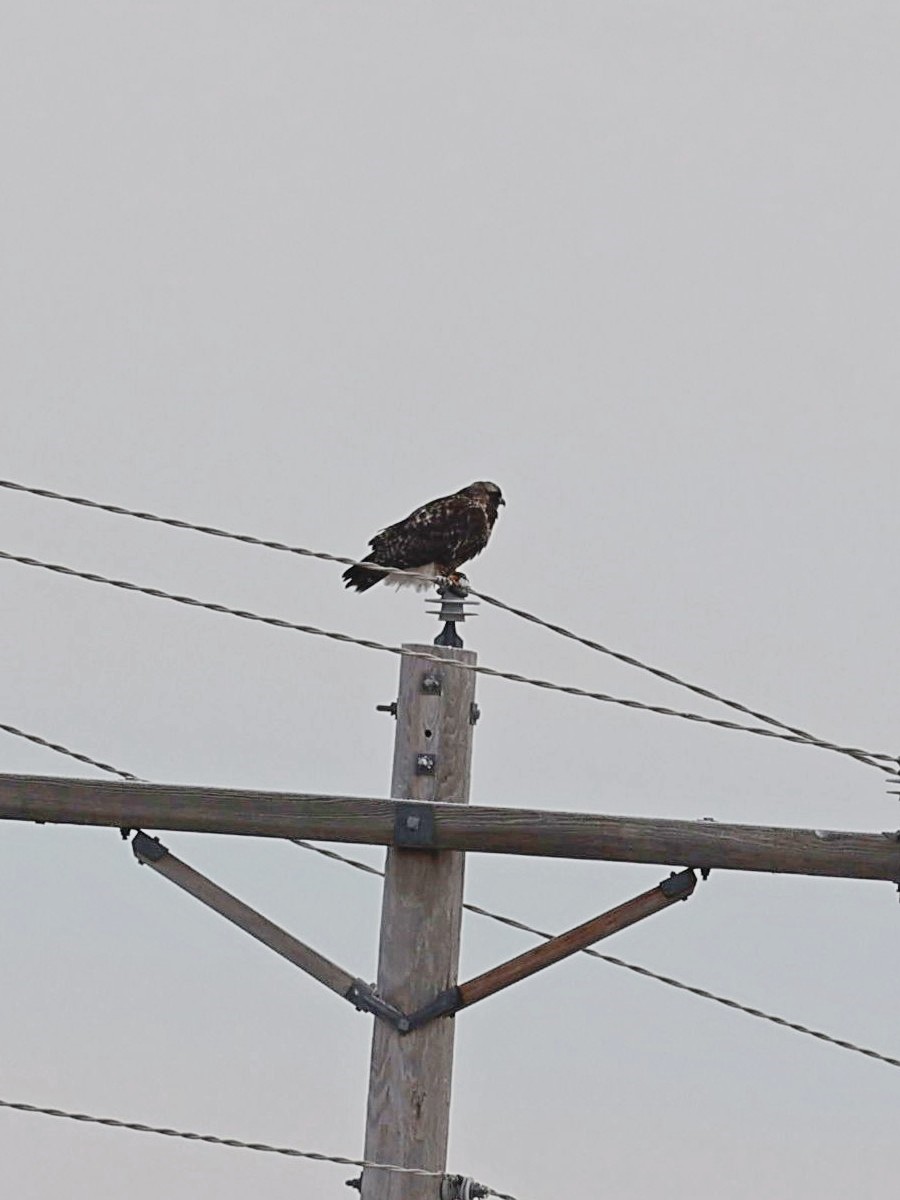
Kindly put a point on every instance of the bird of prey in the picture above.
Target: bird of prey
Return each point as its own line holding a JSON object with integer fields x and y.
{"x": 435, "y": 540}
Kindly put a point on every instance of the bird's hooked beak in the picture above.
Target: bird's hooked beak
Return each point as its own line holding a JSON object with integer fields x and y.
{"x": 502, "y": 501}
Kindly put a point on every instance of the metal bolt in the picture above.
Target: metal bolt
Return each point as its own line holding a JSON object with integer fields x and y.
{"x": 474, "y": 713}
{"x": 387, "y": 708}
{"x": 431, "y": 685}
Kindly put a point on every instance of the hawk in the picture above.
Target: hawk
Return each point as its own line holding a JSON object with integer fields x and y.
{"x": 435, "y": 540}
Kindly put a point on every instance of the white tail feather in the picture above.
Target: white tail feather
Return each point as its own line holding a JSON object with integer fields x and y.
{"x": 419, "y": 585}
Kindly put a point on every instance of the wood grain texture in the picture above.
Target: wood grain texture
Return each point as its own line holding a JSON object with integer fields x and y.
{"x": 566, "y": 944}
{"x": 552, "y": 834}
{"x": 252, "y": 922}
{"x": 409, "y": 1086}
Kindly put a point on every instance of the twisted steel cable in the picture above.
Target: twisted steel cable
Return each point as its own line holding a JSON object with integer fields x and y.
{"x": 866, "y": 756}
{"x": 233, "y": 1143}
{"x": 523, "y": 614}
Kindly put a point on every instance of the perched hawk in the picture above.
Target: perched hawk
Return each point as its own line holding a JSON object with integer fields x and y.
{"x": 435, "y": 540}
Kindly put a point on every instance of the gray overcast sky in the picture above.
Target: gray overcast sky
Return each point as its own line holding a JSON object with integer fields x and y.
{"x": 296, "y": 268}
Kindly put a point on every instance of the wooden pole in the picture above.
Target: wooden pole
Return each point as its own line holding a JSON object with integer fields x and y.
{"x": 409, "y": 1084}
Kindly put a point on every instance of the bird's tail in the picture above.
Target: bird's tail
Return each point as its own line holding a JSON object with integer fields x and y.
{"x": 362, "y": 578}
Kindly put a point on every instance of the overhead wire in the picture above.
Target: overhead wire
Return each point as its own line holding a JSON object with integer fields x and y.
{"x": 795, "y": 735}
{"x": 868, "y": 757}
{"x": 233, "y": 1143}
{"x": 523, "y": 614}
{"x": 84, "y": 758}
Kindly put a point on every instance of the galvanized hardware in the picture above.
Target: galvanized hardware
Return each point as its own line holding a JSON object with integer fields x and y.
{"x": 364, "y": 998}
{"x": 432, "y": 685}
{"x": 474, "y": 713}
{"x": 425, "y": 764}
{"x": 414, "y": 826}
{"x": 387, "y": 708}
{"x": 680, "y": 886}
{"x": 148, "y": 848}
{"x": 354, "y": 1183}
{"x": 461, "y": 1187}
{"x": 445, "y": 1004}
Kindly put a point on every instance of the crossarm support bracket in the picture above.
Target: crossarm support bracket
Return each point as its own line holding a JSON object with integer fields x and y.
{"x": 152, "y": 853}
{"x": 451, "y": 1000}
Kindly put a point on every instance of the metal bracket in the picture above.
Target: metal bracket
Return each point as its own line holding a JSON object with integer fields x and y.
{"x": 147, "y": 848}
{"x": 414, "y": 826}
{"x": 364, "y": 998}
{"x": 445, "y": 1004}
{"x": 680, "y": 886}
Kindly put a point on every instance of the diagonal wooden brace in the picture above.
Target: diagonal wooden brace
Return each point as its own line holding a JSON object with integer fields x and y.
{"x": 675, "y": 888}
{"x": 152, "y": 853}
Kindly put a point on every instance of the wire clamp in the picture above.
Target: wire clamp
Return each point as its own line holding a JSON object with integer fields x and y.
{"x": 461, "y": 1187}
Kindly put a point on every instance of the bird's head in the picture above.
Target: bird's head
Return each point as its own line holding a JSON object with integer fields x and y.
{"x": 485, "y": 490}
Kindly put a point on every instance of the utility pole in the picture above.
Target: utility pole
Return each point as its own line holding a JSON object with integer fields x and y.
{"x": 408, "y": 1112}
{"x": 428, "y": 827}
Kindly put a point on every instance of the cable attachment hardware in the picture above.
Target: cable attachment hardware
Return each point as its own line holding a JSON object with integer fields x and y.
{"x": 452, "y": 610}
{"x": 461, "y": 1187}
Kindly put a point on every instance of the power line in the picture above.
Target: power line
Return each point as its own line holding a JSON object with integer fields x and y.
{"x": 209, "y": 530}
{"x": 865, "y": 756}
{"x": 93, "y": 762}
{"x": 233, "y": 1143}
{"x": 630, "y": 660}
{"x": 659, "y": 673}
{"x": 668, "y": 980}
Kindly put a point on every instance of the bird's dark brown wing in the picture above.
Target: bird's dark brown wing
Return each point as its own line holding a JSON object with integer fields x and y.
{"x": 447, "y": 531}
